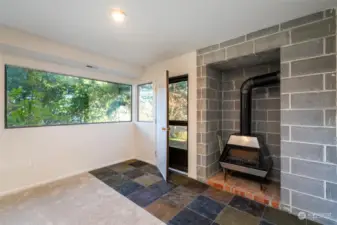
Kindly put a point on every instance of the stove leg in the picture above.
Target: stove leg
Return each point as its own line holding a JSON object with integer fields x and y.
{"x": 225, "y": 174}
{"x": 263, "y": 185}
{"x": 263, "y": 188}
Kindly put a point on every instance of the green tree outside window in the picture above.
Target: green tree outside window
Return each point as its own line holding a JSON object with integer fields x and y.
{"x": 39, "y": 98}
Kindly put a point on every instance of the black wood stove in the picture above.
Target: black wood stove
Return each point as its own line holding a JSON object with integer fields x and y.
{"x": 243, "y": 152}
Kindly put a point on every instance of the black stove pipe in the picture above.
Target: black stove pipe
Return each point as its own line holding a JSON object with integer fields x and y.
{"x": 246, "y": 98}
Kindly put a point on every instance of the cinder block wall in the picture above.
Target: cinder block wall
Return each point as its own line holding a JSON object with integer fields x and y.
{"x": 308, "y": 108}
{"x": 265, "y": 109}
{"x": 209, "y": 95}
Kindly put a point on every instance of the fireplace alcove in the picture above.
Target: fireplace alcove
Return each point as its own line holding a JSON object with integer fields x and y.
{"x": 226, "y": 78}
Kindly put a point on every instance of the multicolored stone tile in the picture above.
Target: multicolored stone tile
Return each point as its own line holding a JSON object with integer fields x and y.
{"x": 196, "y": 186}
{"x": 178, "y": 179}
{"x": 246, "y": 205}
{"x": 206, "y": 207}
{"x": 132, "y": 174}
{"x": 161, "y": 187}
{"x": 279, "y": 217}
{"x": 219, "y": 196}
{"x": 144, "y": 197}
{"x": 183, "y": 200}
{"x": 163, "y": 210}
{"x": 128, "y": 187}
{"x": 121, "y": 168}
{"x": 188, "y": 217}
{"x": 233, "y": 216}
{"x": 150, "y": 169}
{"x": 264, "y": 222}
{"x": 115, "y": 181}
{"x": 147, "y": 180}
{"x": 179, "y": 197}
{"x": 103, "y": 173}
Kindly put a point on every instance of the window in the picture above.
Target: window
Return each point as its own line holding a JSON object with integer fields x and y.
{"x": 145, "y": 103}
{"x": 178, "y": 99}
{"x": 39, "y": 98}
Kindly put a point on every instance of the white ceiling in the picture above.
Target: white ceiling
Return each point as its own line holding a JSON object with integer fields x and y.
{"x": 155, "y": 30}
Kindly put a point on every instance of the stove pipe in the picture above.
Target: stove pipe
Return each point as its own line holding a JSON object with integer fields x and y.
{"x": 246, "y": 98}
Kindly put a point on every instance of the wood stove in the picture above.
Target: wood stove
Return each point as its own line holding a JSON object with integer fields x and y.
{"x": 243, "y": 152}
{"x": 246, "y": 154}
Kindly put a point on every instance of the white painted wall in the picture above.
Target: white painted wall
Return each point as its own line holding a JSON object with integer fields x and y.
{"x": 31, "y": 156}
{"x": 33, "y": 46}
{"x": 145, "y": 138}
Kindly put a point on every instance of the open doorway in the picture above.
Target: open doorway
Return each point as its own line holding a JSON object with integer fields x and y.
{"x": 178, "y": 123}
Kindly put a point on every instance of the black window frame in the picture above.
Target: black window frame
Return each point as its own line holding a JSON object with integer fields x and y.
{"x": 153, "y": 117}
{"x": 63, "y": 74}
{"x": 182, "y": 123}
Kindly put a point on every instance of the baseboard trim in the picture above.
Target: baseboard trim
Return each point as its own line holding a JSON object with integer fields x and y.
{"x": 27, "y": 187}
{"x": 144, "y": 160}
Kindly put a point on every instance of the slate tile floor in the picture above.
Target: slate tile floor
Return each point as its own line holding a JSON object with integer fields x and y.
{"x": 184, "y": 201}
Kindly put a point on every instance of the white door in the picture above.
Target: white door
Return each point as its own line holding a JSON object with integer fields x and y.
{"x": 162, "y": 130}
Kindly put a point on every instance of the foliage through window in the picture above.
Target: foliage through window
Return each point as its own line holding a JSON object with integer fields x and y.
{"x": 178, "y": 112}
{"x": 178, "y": 100}
{"x": 39, "y": 98}
{"x": 145, "y": 103}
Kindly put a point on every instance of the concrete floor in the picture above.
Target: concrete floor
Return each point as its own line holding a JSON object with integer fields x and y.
{"x": 79, "y": 200}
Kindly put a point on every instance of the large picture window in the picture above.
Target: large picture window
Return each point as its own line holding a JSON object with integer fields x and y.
{"x": 39, "y": 98}
{"x": 145, "y": 103}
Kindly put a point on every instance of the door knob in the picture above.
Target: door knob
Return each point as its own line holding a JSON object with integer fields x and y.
{"x": 165, "y": 129}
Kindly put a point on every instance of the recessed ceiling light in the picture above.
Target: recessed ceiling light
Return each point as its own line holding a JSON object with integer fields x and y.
{"x": 118, "y": 15}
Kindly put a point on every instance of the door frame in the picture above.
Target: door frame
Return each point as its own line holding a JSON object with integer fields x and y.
{"x": 167, "y": 123}
{"x": 176, "y": 79}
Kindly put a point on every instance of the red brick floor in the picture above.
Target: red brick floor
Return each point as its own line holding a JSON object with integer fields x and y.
{"x": 248, "y": 188}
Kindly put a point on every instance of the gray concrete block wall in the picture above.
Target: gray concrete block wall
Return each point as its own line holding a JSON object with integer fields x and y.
{"x": 265, "y": 110}
{"x": 308, "y": 107}
{"x": 208, "y": 121}
{"x": 310, "y": 86}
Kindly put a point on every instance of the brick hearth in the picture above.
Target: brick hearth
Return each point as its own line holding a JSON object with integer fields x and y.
{"x": 247, "y": 188}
